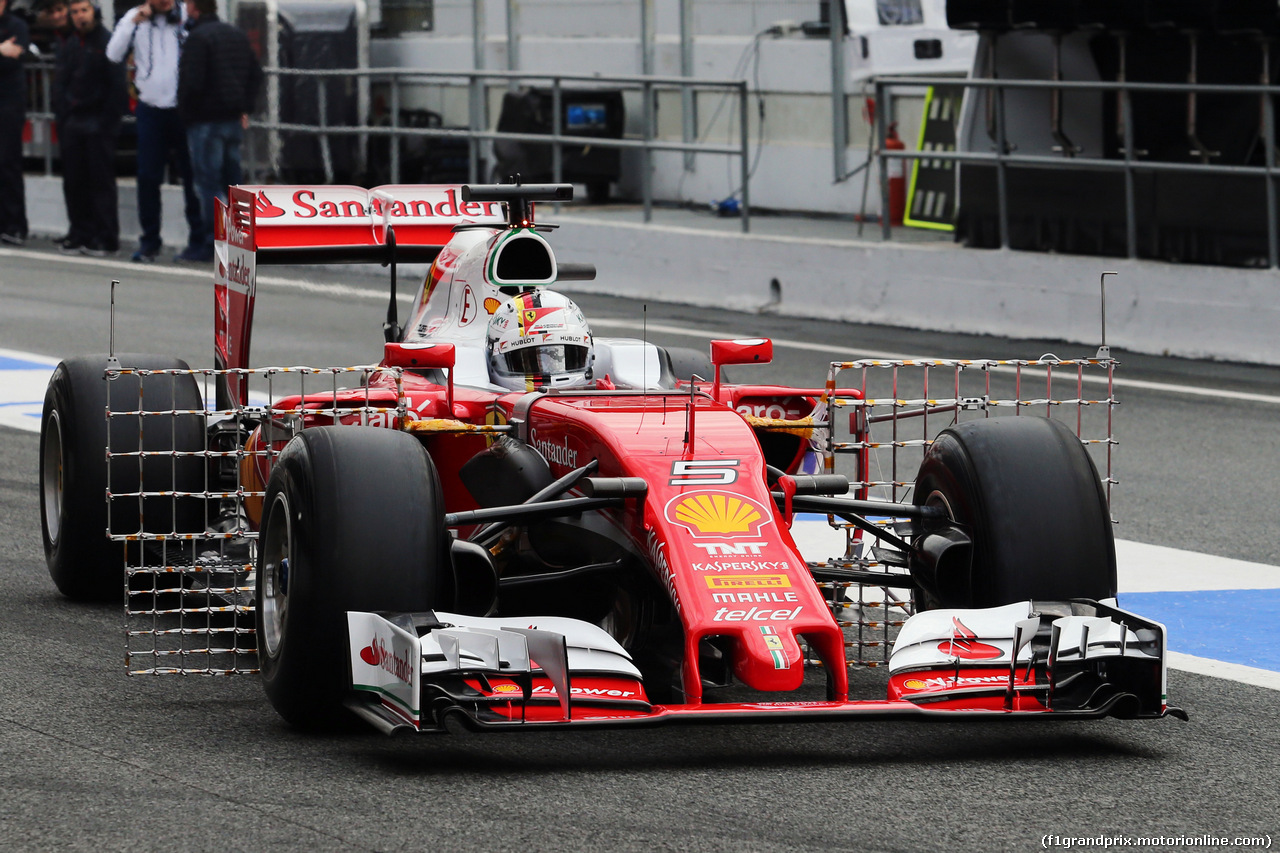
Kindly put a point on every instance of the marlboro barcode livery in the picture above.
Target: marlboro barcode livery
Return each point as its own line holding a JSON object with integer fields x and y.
{"x": 510, "y": 521}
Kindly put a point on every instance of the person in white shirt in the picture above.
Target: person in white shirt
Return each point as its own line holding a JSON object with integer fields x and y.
{"x": 153, "y": 33}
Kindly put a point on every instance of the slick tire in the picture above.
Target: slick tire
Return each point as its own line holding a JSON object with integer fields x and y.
{"x": 353, "y": 520}
{"x": 85, "y": 564}
{"x": 1031, "y": 500}
{"x": 686, "y": 362}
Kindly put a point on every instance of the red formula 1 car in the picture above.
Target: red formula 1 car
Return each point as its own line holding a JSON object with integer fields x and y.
{"x": 511, "y": 522}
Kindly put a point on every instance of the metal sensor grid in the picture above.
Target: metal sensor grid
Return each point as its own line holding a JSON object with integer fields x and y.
{"x": 177, "y": 504}
{"x": 880, "y": 439}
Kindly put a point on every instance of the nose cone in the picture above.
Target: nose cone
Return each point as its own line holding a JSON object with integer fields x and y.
{"x": 767, "y": 657}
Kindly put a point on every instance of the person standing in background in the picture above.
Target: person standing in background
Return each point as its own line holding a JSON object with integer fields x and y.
{"x": 154, "y": 33}
{"x": 14, "y": 38}
{"x": 218, "y": 82}
{"x": 90, "y": 94}
{"x": 50, "y": 29}
{"x": 49, "y": 32}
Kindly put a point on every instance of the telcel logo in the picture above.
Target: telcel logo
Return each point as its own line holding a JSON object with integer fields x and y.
{"x": 756, "y": 614}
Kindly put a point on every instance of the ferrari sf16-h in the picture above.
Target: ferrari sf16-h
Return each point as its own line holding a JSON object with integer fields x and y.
{"x": 511, "y": 522}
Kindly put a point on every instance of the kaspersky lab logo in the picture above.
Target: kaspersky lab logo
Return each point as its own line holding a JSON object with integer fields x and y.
{"x": 376, "y": 654}
{"x": 719, "y": 514}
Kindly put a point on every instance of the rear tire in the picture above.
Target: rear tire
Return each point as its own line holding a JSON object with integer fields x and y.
{"x": 353, "y": 520}
{"x": 83, "y": 562}
{"x": 1031, "y": 500}
{"x": 686, "y": 362}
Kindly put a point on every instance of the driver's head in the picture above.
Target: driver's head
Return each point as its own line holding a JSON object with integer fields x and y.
{"x": 539, "y": 339}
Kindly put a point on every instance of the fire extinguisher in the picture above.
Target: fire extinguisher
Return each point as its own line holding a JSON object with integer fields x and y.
{"x": 897, "y": 170}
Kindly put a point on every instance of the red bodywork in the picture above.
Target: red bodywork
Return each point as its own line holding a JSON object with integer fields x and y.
{"x": 715, "y": 539}
{"x": 709, "y": 528}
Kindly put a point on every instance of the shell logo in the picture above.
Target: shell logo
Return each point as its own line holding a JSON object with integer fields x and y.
{"x": 718, "y": 514}
{"x": 914, "y": 684}
{"x": 506, "y": 688}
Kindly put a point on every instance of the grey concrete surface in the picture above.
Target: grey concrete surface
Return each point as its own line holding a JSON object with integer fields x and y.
{"x": 821, "y": 268}
{"x": 95, "y": 761}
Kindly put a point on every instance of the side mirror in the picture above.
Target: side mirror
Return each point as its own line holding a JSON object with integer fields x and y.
{"x": 745, "y": 351}
{"x": 422, "y": 357}
{"x": 419, "y": 356}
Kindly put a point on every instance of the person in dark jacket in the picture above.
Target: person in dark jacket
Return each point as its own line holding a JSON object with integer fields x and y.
{"x": 218, "y": 81}
{"x": 50, "y": 28}
{"x": 14, "y": 39}
{"x": 89, "y": 90}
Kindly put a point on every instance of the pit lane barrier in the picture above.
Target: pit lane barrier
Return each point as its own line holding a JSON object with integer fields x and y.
{"x": 476, "y": 133}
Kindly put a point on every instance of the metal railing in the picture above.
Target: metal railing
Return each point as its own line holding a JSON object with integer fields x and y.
{"x": 40, "y": 95}
{"x": 476, "y": 133}
{"x": 1003, "y": 158}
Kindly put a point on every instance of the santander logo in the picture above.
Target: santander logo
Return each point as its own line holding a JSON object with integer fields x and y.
{"x": 964, "y": 644}
{"x": 264, "y": 209}
{"x": 376, "y": 655}
{"x": 352, "y": 205}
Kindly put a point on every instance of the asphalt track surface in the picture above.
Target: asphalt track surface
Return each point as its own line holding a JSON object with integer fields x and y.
{"x": 92, "y": 760}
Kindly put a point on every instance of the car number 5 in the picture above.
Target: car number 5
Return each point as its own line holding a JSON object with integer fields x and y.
{"x": 703, "y": 472}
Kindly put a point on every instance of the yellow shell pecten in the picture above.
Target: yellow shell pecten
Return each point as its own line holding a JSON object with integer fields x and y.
{"x": 717, "y": 513}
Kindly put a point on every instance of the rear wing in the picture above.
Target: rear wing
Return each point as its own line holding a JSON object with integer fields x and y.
{"x": 320, "y": 224}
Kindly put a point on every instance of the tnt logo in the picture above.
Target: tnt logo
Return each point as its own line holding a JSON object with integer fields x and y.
{"x": 735, "y": 549}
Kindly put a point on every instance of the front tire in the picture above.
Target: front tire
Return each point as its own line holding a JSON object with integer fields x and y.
{"x": 353, "y": 520}
{"x": 1031, "y": 500}
{"x": 83, "y": 563}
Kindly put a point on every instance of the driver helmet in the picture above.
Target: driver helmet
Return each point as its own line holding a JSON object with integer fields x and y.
{"x": 539, "y": 339}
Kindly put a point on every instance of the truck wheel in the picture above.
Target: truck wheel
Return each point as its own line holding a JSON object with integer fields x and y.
{"x": 1029, "y": 496}
{"x": 83, "y": 562}
{"x": 353, "y": 520}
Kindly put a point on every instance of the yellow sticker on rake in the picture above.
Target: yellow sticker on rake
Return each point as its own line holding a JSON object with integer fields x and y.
{"x": 748, "y": 581}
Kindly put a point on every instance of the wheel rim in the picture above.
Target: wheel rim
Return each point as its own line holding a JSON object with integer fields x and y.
{"x": 51, "y": 477}
{"x": 938, "y": 499}
{"x": 625, "y": 621}
{"x": 277, "y": 551}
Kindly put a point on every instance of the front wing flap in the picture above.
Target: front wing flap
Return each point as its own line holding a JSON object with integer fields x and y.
{"x": 416, "y": 671}
{"x": 1074, "y": 656}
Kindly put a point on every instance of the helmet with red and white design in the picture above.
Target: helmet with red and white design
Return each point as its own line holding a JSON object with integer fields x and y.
{"x": 539, "y": 339}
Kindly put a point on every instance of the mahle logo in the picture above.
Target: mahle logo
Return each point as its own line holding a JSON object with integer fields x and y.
{"x": 718, "y": 514}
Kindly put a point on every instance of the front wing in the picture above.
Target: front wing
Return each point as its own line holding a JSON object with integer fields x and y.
{"x": 1050, "y": 660}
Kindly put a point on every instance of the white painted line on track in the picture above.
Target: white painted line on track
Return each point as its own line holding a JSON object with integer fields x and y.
{"x": 1142, "y": 568}
{"x": 844, "y": 353}
{"x": 24, "y": 379}
{"x": 204, "y": 273}
{"x": 29, "y": 356}
{"x": 1221, "y": 669}
{"x": 854, "y": 354}
{"x": 1159, "y": 568}
{"x": 1139, "y": 567}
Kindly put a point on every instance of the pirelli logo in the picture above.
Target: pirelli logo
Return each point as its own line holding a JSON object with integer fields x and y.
{"x": 748, "y": 582}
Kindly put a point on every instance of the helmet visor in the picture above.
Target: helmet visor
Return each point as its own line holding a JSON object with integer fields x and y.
{"x": 550, "y": 360}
